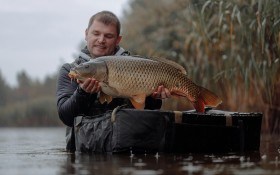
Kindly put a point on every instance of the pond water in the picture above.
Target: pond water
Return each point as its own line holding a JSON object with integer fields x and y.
{"x": 42, "y": 151}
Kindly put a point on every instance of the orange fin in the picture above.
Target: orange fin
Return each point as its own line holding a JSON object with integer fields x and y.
{"x": 206, "y": 98}
{"x": 138, "y": 101}
{"x": 105, "y": 98}
{"x": 199, "y": 105}
{"x": 209, "y": 98}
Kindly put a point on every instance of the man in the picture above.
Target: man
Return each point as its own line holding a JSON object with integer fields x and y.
{"x": 81, "y": 98}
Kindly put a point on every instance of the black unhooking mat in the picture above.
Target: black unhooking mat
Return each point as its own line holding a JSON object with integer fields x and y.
{"x": 124, "y": 130}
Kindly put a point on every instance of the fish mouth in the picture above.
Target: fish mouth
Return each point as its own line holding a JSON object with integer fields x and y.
{"x": 73, "y": 74}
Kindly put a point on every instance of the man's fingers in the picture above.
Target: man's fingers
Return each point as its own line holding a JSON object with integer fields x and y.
{"x": 95, "y": 87}
{"x": 167, "y": 93}
{"x": 85, "y": 84}
{"x": 163, "y": 94}
{"x": 90, "y": 86}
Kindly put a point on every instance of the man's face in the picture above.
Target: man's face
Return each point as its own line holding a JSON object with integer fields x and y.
{"x": 102, "y": 39}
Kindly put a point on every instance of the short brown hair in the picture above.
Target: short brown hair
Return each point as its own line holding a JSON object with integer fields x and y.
{"x": 107, "y": 18}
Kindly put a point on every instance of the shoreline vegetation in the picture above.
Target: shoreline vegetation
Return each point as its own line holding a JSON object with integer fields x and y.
{"x": 230, "y": 47}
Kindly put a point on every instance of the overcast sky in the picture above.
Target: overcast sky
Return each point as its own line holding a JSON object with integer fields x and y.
{"x": 39, "y": 35}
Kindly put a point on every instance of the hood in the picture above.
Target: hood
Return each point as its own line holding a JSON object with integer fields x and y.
{"x": 84, "y": 54}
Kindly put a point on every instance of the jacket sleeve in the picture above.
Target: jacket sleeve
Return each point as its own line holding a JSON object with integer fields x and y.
{"x": 71, "y": 99}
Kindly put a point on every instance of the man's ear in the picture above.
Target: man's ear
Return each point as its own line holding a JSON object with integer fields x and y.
{"x": 119, "y": 39}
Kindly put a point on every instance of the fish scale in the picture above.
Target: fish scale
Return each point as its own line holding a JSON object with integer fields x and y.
{"x": 136, "y": 77}
{"x": 141, "y": 75}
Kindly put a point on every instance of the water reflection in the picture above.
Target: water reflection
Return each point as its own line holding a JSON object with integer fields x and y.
{"x": 154, "y": 164}
{"x": 41, "y": 151}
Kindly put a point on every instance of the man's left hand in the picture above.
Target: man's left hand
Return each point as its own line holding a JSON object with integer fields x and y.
{"x": 161, "y": 93}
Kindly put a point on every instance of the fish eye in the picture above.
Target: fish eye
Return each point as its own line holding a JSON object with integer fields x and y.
{"x": 86, "y": 66}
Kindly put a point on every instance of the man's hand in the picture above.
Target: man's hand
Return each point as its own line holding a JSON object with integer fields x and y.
{"x": 90, "y": 85}
{"x": 161, "y": 93}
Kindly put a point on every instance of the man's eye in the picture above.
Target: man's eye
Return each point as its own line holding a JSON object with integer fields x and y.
{"x": 109, "y": 36}
{"x": 95, "y": 33}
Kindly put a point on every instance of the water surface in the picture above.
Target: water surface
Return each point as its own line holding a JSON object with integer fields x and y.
{"x": 42, "y": 151}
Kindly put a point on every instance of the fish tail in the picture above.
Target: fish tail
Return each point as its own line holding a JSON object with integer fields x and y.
{"x": 206, "y": 98}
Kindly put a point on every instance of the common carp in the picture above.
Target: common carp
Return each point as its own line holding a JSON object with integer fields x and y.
{"x": 136, "y": 78}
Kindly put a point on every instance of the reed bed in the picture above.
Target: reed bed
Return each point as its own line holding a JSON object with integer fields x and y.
{"x": 231, "y": 47}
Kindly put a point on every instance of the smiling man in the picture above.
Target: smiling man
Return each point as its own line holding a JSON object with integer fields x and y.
{"x": 82, "y": 98}
{"x": 102, "y": 36}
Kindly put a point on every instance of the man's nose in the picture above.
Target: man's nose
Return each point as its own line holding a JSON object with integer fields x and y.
{"x": 101, "y": 38}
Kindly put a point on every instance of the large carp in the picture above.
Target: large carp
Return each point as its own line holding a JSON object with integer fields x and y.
{"x": 135, "y": 78}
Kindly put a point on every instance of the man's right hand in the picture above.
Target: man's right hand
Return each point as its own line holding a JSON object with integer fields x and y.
{"x": 90, "y": 85}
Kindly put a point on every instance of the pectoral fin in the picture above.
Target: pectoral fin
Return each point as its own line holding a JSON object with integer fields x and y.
{"x": 138, "y": 101}
{"x": 105, "y": 98}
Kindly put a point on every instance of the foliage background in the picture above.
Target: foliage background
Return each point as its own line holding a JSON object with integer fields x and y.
{"x": 31, "y": 103}
{"x": 230, "y": 47}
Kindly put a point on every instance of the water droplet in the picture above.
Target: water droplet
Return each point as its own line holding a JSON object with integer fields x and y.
{"x": 131, "y": 154}
{"x": 217, "y": 160}
{"x": 264, "y": 157}
{"x": 242, "y": 158}
{"x": 140, "y": 163}
{"x": 247, "y": 165}
{"x": 190, "y": 158}
{"x": 276, "y": 161}
{"x": 248, "y": 159}
{"x": 157, "y": 156}
{"x": 192, "y": 168}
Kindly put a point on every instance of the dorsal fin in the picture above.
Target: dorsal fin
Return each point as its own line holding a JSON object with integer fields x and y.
{"x": 172, "y": 63}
